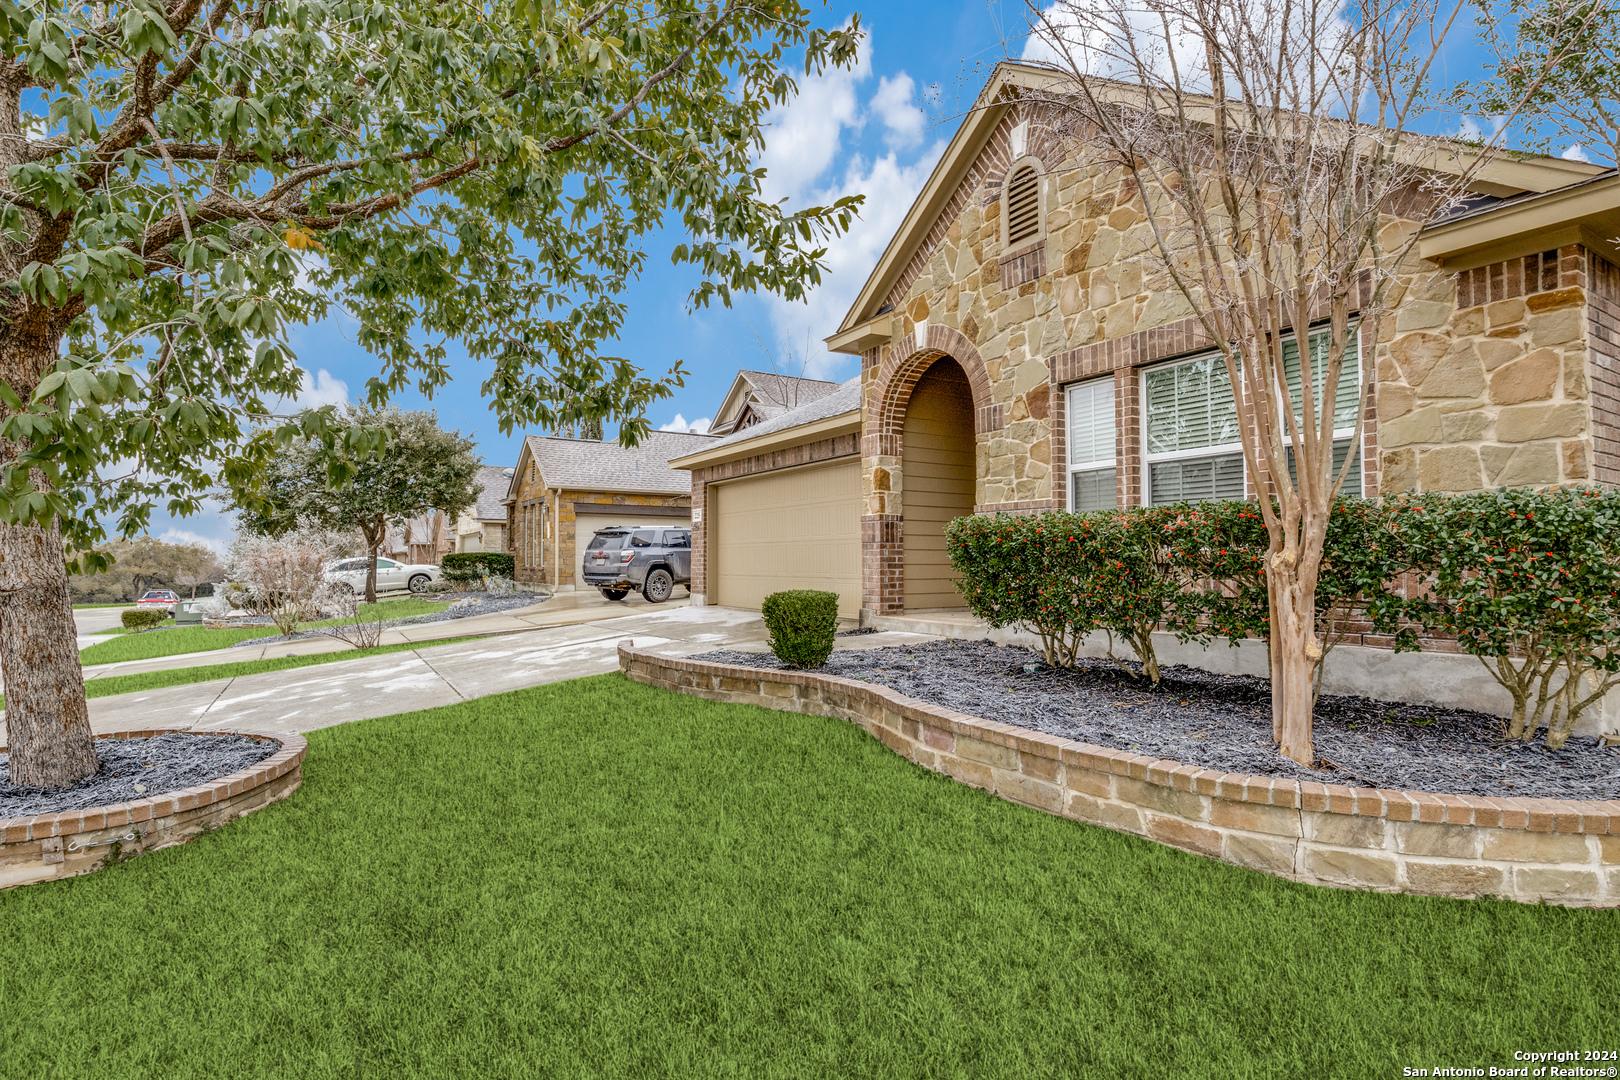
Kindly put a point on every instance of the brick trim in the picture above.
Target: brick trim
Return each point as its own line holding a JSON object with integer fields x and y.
{"x": 44, "y": 847}
{"x": 1603, "y": 337}
{"x": 1559, "y": 851}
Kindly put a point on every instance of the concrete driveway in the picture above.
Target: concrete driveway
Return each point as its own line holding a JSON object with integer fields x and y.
{"x": 580, "y": 642}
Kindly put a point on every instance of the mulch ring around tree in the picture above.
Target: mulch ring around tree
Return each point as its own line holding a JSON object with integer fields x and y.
{"x": 138, "y": 769}
{"x": 1223, "y": 722}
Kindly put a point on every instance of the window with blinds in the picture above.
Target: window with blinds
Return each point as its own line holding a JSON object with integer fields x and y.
{"x": 1023, "y": 205}
{"x": 1192, "y": 445}
{"x": 1091, "y": 445}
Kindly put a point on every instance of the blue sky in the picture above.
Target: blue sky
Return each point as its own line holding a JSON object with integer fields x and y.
{"x": 877, "y": 131}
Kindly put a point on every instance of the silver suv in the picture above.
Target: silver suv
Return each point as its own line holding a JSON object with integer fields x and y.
{"x": 629, "y": 558}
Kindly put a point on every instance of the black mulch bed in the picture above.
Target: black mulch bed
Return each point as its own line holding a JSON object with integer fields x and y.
{"x": 137, "y": 768}
{"x": 1224, "y": 722}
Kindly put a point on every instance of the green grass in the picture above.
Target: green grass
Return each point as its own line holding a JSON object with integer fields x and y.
{"x": 598, "y": 879}
{"x": 124, "y": 645}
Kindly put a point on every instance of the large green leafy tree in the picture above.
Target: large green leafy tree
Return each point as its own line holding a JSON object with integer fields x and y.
{"x": 420, "y": 468}
{"x": 184, "y": 179}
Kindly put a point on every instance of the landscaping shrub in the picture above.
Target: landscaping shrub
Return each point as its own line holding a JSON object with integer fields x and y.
{"x": 143, "y": 618}
{"x": 802, "y": 623}
{"x": 1196, "y": 570}
{"x": 468, "y": 566}
{"x": 1528, "y": 582}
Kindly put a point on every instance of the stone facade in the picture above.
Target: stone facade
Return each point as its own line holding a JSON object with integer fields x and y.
{"x": 1531, "y": 850}
{"x": 1500, "y": 375}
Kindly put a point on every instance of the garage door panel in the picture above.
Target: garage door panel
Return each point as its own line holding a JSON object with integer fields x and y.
{"x": 799, "y": 529}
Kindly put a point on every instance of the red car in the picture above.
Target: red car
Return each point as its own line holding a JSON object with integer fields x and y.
{"x": 163, "y": 598}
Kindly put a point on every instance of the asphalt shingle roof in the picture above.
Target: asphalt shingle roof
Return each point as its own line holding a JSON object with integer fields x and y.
{"x": 845, "y": 397}
{"x": 775, "y": 394}
{"x": 491, "y": 504}
{"x": 587, "y": 465}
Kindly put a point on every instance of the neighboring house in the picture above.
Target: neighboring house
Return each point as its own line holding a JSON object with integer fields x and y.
{"x": 756, "y": 396}
{"x": 1036, "y": 368}
{"x": 482, "y": 527}
{"x": 563, "y": 490}
{"x": 424, "y": 539}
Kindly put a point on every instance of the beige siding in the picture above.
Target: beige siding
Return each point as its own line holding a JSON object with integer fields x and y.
{"x": 938, "y": 481}
{"x": 795, "y": 529}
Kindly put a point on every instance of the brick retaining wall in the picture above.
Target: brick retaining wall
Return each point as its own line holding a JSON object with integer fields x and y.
{"x": 73, "y": 842}
{"x": 1555, "y": 850}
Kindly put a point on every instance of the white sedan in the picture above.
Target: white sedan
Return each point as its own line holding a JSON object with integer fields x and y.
{"x": 391, "y": 575}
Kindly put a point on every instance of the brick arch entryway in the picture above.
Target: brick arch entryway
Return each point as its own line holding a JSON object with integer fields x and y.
{"x": 946, "y": 381}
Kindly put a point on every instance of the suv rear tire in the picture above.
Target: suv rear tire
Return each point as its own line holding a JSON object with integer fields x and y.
{"x": 615, "y": 594}
{"x": 658, "y": 587}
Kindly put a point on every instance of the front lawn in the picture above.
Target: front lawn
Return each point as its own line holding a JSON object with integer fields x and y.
{"x": 599, "y": 879}
{"x": 189, "y": 639}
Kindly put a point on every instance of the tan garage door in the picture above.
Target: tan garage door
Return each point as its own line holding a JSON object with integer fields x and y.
{"x": 799, "y": 529}
{"x": 585, "y": 526}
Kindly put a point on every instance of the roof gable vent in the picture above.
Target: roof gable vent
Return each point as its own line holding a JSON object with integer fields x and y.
{"x": 1023, "y": 205}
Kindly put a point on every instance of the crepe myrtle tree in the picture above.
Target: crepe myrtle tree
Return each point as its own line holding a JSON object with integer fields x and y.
{"x": 419, "y": 468}
{"x": 1269, "y": 148}
{"x": 185, "y": 179}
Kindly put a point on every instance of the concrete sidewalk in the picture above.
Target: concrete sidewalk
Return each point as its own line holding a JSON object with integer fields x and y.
{"x": 303, "y": 699}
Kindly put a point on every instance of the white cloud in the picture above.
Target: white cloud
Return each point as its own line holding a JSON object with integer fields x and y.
{"x": 901, "y": 117}
{"x": 889, "y": 185}
{"x": 1575, "y": 152}
{"x": 186, "y": 536}
{"x": 803, "y": 137}
{"x": 323, "y": 388}
{"x": 681, "y": 423}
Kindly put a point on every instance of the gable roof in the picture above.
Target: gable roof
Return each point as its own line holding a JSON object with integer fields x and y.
{"x": 770, "y": 395}
{"x": 589, "y": 465}
{"x": 491, "y": 504}
{"x": 1503, "y": 175}
{"x": 843, "y": 404}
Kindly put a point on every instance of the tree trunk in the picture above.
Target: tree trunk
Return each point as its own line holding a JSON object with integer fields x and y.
{"x": 1294, "y": 651}
{"x": 47, "y": 721}
{"x": 374, "y": 533}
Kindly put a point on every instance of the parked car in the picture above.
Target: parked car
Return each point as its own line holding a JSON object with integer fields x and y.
{"x": 159, "y": 598}
{"x": 391, "y": 575}
{"x": 652, "y": 561}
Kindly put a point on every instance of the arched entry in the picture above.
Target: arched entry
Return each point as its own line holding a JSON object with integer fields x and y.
{"x": 937, "y": 470}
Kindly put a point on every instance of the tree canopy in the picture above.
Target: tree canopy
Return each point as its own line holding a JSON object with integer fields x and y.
{"x": 185, "y": 180}
{"x": 143, "y": 563}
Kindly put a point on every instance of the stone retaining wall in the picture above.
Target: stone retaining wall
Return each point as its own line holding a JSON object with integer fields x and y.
{"x": 1559, "y": 851}
{"x": 72, "y": 842}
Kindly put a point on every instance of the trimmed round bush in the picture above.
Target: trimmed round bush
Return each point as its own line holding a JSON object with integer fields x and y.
{"x": 473, "y": 565}
{"x": 143, "y": 618}
{"x": 802, "y": 623}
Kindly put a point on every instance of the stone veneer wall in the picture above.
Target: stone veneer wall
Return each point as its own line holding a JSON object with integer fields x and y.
{"x": 1482, "y": 377}
{"x": 811, "y": 453}
{"x": 73, "y": 842}
{"x": 1533, "y": 850}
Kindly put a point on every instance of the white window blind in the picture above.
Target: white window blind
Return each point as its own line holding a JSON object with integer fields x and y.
{"x": 1192, "y": 447}
{"x": 1192, "y": 443}
{"x": 1091, "y": 445}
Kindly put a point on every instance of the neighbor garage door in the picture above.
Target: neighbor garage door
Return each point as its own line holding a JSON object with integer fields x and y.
{"x": 585, "y": 526}
{"x": 798, "y": 529}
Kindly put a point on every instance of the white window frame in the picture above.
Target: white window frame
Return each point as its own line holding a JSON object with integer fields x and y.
{"x": 1070, "y": 466}
{"x": 1149, "y": 459}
